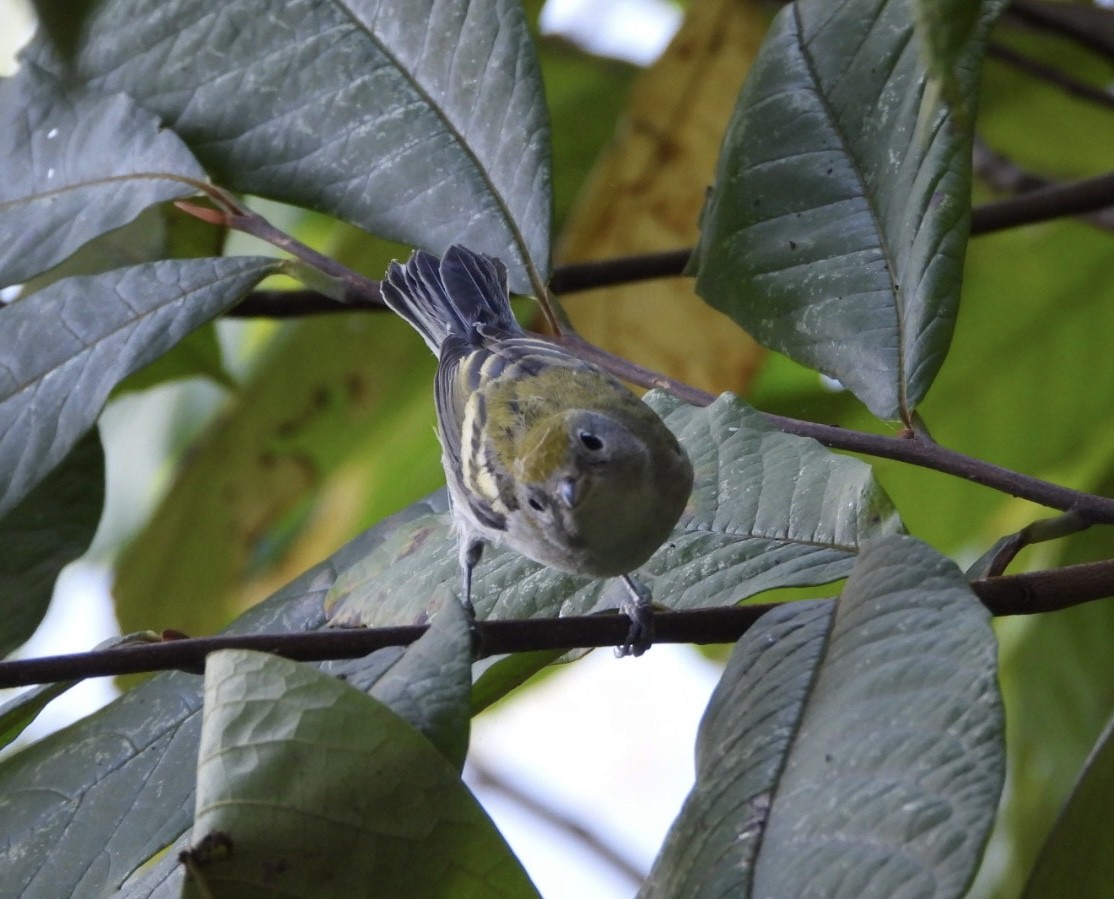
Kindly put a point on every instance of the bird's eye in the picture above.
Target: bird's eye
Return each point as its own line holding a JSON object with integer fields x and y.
{"x": 590, "y": 441}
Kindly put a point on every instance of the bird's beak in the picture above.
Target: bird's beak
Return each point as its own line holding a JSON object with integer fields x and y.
{"x": 570, "y": 491}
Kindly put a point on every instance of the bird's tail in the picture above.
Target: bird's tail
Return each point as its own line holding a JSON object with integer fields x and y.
{"x": 450, "y": 296}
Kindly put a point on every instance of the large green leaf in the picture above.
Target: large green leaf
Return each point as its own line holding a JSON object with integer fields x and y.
{"x": 852, "y": 748}
{"x": 768, "y": 510}
{"x": 1076, "y": 861}
{"x": 83, "y": 808}
{"x": 322, "y": 791}
{"x": 837, "y": 225}
{"x": 77, "y": 163}
{"x": 52, "y": 526}
{"x": 17, "y": 713}
{"x": 421, "y": 121}
{"x": 64, "y": 348}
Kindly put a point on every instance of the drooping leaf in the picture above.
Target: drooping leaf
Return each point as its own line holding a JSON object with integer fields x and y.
{"x": 423, "y": 122}
{"x": 836, "y": 229}
{"x": 48, "y": 529}
{"x": 745, "y": 734}
{"x": 1074, "y": 860}
{"x": 77, "y": 163}
{"x": 767, "y": 510}
{"x": 372, "y": 803}
{"x": 64, "y": 348}
{"x": 851, "y": 748}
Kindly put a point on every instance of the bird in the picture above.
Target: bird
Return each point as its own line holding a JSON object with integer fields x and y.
{"x": 544, "y": 452}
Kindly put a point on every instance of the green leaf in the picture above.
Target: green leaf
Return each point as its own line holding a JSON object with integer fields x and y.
{"x": 429, "y": 684}
{"x": 84, "y": 807}
{"x": 1075, "y": 860}
{"x": 19, "y": 712}
{"x": 64, "y": 348}
{"x": 423, "y": 121}
{"x": 836, "y": 229}
{"x": 16, "y": 714}
{"x": 768, "y": 510}
{"x": 198, "y": 354}
{"x": 77, "y": 164}
{"x": 851, "y": 748}
{"x": 1057, "y": 679}
{"x": 48, "y": 529}
{"x": 945, "y": 31}
{"x": 744, "y": 737}
{"x": 372, "y": 803}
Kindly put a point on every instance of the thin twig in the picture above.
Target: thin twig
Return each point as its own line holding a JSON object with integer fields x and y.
{"x": 927, "y": 454}
{"x": 1055, "y": 201}
{"x": 1089, "y": 26}
{"x": 1065, "y": 82}
{"x": 579, "y": 276}
{"x": 1002, "y": 174}
{"x": 298, "y": 303}
{"x": 1016, "y": 594}
{"x": 484, "y": 776}
{"x": 1050, "y": 201}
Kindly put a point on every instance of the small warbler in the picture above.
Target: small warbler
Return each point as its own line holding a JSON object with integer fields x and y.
{"x": 543, "y": 451}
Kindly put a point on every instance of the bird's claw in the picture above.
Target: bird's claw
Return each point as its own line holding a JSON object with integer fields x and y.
{"x": 639, "y": 608}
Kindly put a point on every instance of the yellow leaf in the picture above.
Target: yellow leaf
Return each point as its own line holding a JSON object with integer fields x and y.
{"x": 645, "y": 195}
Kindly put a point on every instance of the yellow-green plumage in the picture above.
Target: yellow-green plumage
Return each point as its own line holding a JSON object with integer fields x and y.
{"x": 542, "y": 450}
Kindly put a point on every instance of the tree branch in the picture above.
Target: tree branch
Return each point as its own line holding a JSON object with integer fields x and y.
{"x": 578, "y": 276}
{"x": 299, "y": 303}
{"x": 1070, "y": 198}
{"x": 1017, "y": 594}
{"x": 920, "y": 451}
{"x": 914, "y": 449}
{"x": 1065, "y": 82}
{"x": 1088, "y": 26}
{"x": 1051, "y": 201}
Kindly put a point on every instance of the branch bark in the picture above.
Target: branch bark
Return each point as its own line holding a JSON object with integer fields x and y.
{"x": 1017, "y": 594}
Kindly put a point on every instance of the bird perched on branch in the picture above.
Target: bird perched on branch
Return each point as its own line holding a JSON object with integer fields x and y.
{"x": 543, "y": 451}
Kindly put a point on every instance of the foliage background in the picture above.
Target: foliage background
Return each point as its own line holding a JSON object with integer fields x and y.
{"x": 1033, "y": 329}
